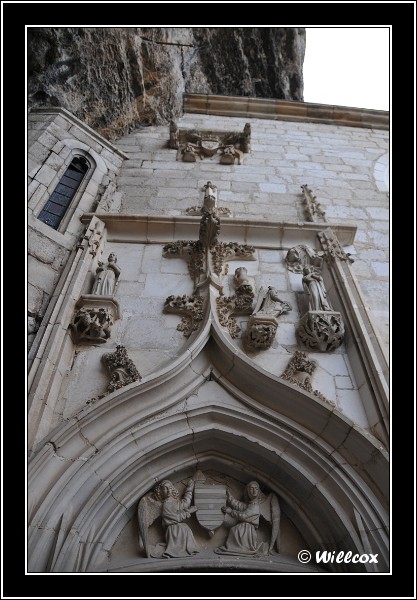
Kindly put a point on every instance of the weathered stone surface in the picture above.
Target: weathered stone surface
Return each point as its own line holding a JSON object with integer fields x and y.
{"x": 116, "y": 79}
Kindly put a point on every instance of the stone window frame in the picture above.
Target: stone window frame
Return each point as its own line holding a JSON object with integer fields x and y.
{"x": 76, "y": 189}
{"x": 74, "y": 152}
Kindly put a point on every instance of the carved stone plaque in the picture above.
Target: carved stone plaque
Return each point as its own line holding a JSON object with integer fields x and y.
{"x": 209, "y": 500}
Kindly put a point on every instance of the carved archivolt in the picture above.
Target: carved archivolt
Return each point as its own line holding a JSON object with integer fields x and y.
{"x": 193, "y": 145}
{"x": 208, "y": 504}
{"x": 299, "y": 371}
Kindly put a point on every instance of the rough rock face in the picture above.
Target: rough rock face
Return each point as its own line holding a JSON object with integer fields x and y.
{"x": 115, "y": 79}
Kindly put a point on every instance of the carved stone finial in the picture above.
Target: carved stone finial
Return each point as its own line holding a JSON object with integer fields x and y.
{"x": 311, "y": 207}
{"x": 121, "y": 368}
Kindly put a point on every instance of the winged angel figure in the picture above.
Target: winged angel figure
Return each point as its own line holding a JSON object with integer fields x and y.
{"x": 165, "y": 502}
{"x": 242, "y": 539}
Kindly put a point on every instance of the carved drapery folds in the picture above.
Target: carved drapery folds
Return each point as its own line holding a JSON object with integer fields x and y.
{"x": 312, "y": 209}
{"x": 107, "y": 277}
{"x": 193, "y": 145}
{"x": 263, "y": 323}
{"x": 121, "y": 369}
{"x": 93, "y": 320}
{"x": 299, "y": 371}
{"x": 208, "y": 504}
{"x": 191, "y": 310}
{"x": 321, "y": 328}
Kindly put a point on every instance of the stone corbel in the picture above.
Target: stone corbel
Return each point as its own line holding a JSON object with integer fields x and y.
{"x": 322, "y": 330}
{"x": 94, "y": 317}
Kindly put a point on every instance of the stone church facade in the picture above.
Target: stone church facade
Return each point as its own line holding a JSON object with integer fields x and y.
{"x": 208, "y": 341}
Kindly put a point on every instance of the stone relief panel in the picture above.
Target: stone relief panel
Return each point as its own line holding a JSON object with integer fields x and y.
{"x": 206, "y": 516}
{"x": 194, "y": 145}
{"x": 299, "y": 371}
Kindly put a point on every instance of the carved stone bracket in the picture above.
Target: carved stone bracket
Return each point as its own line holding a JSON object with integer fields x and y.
{"x": 193, "y": 145}
{"x": 121, "y": 368}
{"x": 299, "y": 371}
{"x": 331, "y": 246}
{"x": 311, "y": 207}
{"x": 93, "y": 320}
{"x": 322, "y": 330}
{"x": 191, "y": 309}
{"x": 263, "y": 323}
{"x": 302, "y": 256}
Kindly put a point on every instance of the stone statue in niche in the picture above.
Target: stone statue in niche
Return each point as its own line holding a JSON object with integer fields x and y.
{"x": 165, "y": 502}
{"x": 263, "y": 323}
{"x": 106, "y": 277}
{"x": 314, "y": 288}
{"x": 242, "y": 538}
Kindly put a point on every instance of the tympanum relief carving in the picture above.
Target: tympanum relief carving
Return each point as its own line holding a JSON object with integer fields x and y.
{"x": 179, "y": 523}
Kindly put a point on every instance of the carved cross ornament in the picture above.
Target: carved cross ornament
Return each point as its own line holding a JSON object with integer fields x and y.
{"x": 194, "y": 145}
{"x": 206, "y": 261}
